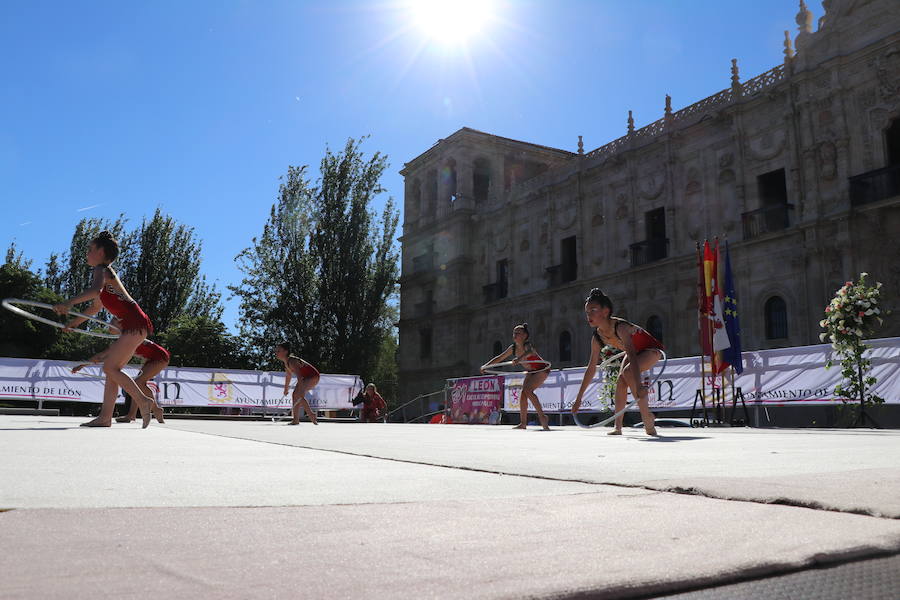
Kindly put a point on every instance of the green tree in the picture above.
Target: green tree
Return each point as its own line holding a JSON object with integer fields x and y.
{"x": 162, "y": 271}
{"x": 16, "y": 257}
{"x": 21, "y": 337}
{"x": 322, "y": 273}
{"x": 277, "y": 292}
{"x": 77, "y": 276}
{"x": 201, "y": 341}
{"x": 54, "y": 276}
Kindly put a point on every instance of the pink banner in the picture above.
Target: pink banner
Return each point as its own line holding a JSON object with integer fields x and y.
{"x": 473, "y": 399}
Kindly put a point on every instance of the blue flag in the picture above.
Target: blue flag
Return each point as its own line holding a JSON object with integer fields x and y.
{"x": 732, "y": 354}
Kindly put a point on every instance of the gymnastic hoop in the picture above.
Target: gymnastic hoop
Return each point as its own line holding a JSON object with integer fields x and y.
{"x": 82, "y": 371}
{"x": 665, "y": 360}
{"x": 9, "y": 303}
{"x": 502, "y": 368}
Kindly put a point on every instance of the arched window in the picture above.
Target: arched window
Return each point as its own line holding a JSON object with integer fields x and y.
{"x": 448, "y": 178}
{"x": 655, "y": 327}
{"x": 498, "y": 348}
{"x": 417, "y": 196}
{"x": 892, "y": 141}
{"x": 481, "y": 179}
{"x": 776, "y": 318}
{"x": 431, "y": 193}
{"x": 565, "y": 346}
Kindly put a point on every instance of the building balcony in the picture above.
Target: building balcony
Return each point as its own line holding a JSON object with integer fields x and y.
{"x": 875, "y": 185}
{"x": 424, "y": 262}
{"x": 560, "y": 274}
{"x": 494, "y": 291}
{"x": 423, "y": 309}
{"x": 766, "y": 220}
{"x": 649, "y": 251}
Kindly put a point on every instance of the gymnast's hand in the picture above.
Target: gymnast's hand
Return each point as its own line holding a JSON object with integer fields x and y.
{"x": 62, "y": 308}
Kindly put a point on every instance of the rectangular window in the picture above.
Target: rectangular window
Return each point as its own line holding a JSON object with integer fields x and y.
{"x": 502, "y": 278}
{"x": 772, "y": 189}
{"x": 569, "y": 256}
{"x": 425, "y": 343}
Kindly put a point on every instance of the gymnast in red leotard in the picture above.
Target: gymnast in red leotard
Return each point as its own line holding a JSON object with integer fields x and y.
{"x": 307, "y": 379}
{"x": 523, "y": 351}
{"x": 135, "y": 325}
{"x": 642, "y": 351}
{"x": 156, "y": 358}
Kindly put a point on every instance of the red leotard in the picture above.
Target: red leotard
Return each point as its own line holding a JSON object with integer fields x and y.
{"x": 129, "y": 314}
{"x": 306, "y": 371}
{"x": 529, "y": 356}
{"x": 151, "y": 351}
{"x": 641, "y": 338}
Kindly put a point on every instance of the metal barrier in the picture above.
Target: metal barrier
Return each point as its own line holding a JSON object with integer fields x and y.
{"x": 421, "y": 406}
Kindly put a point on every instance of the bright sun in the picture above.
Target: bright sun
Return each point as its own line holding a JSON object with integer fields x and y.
{"x": 451, "y": 22}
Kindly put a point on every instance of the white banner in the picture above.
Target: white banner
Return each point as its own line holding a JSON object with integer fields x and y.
{"x": 32, "y": 379}
{"x": 779, "y": 377}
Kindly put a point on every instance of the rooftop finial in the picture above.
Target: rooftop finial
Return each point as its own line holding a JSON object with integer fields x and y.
{"x": 735, "y": 74}
{"x": 580, "y": 145}
{"x": 630, "y": 123}
{"x": 668, "y": 105}
{"x": 804, "y": 18}
{"x": 788, "y": 49}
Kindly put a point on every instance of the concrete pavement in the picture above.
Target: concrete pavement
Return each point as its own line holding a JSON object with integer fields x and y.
{"x": 231, "y": 509}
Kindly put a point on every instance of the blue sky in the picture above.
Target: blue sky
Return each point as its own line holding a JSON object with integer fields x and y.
{"x": 197, "y": 107}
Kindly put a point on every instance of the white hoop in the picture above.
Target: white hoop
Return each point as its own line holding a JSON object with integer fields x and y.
{"x": 9, "y": 302}
{"x": 82, "y": 371}
{"x": 633, "y": 400}
{"x": 500, "y": 368}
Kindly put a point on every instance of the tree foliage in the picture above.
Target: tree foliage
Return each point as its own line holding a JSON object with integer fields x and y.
{"x": 201, "y": 341}
{"x": 322, "y": 272}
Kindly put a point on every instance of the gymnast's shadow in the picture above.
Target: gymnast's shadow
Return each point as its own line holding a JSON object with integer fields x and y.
{"x": 37, "y": 428}
{"x": 673, "y": 438}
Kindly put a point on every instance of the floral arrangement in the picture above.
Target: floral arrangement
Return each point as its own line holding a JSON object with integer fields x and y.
{"x": 609, "y": 375}
{"x": 851, "y": 315}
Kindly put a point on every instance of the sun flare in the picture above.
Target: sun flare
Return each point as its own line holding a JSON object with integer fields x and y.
{"x": 451, "y": 22}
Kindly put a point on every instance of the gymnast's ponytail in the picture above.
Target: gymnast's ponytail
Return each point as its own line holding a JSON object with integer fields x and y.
{"x": 108, "y": 243}
{"x": 598, "y": 297}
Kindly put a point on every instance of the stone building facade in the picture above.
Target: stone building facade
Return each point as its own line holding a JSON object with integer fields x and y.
{"x": 799, "y": 168}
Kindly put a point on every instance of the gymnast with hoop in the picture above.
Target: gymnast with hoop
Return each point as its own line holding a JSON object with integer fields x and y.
{"x": 156, "y": 358}
{"x": 133, "y": 322}
{"x": 307, "y": 379}
{"x": 524, "y": 353}
{"x": 642, "y": 352}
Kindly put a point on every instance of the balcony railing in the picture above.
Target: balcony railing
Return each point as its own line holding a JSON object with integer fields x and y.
{"x": 560, "y": 274}
{"x": 649, "y": 251}
{"x": 766, "y": 220}
{"x": 875, "y": 185}
{"x": 494, "y": 291}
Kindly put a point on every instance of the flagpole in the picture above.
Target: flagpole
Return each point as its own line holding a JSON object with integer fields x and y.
{"x": 701, "y": 315}
{"x": 712, "y": 330}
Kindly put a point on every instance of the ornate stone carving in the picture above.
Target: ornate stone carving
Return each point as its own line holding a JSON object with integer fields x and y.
{"x": 827, "y": 160}
{"x": 766, "y": 146}
{"x": 726, "y": 159}
{"x": 621, "y": 207}
{"x": 651, "y": 186}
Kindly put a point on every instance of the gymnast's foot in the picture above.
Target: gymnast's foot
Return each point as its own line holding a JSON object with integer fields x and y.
{"x": 545, "y": 423}
{"x": 520, "y": 426}
{"x": 124, "y": 419}
{"x": 96, "y": 423}
{"x": 614, "y": 432}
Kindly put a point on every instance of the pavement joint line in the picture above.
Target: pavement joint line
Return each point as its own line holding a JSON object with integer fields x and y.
{"x": 684, "y": 491}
